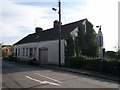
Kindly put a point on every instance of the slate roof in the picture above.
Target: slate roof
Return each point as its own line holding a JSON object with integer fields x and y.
{"x": 50, "y": 34}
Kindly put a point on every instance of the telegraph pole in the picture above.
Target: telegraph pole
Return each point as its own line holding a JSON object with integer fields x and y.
{"x": 59, "y": 12}
{"x": 59, "y": 45}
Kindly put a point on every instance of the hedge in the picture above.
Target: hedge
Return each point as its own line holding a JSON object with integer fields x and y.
{"x": 108, "y": 66}
{"x": 10, "y": 58}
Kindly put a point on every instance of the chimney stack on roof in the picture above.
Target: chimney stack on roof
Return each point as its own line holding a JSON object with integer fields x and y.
{"x": 38, "y": 30}
{"x": 56, "y": 24}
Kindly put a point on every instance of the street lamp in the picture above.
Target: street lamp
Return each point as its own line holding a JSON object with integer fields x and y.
{"x": 59, "y": 12}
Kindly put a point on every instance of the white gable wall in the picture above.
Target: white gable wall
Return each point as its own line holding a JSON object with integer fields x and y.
{"x": 52, "y": 46}
{"x": 74, "y": 33}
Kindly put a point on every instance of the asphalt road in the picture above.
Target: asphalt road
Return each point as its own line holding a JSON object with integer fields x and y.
{"x": 16, "y": 75}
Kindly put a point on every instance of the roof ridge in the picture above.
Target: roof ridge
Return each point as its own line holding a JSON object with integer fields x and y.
{"x": 50, "y": 34}
{"x": 65, "y": 24}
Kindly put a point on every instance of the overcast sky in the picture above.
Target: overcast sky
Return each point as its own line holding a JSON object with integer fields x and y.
{"x": 18, "y": 18}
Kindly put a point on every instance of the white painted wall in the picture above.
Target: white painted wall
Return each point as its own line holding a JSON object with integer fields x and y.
{"x": 74, "y": 33}
{"x": 52, "y": 50}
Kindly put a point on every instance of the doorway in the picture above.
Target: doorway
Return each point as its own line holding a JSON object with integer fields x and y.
{"x": 15, "y": 52}
{"x": 43, "y": 55}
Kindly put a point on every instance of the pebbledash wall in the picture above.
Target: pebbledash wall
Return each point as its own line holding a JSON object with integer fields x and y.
{"x": 23, "y": 50}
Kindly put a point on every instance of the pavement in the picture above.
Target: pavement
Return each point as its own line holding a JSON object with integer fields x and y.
{"x": 80, "y": 71}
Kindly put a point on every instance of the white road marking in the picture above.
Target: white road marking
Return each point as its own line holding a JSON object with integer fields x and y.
{"x": 43, "y": 82}
{"x": 48, "y": 77}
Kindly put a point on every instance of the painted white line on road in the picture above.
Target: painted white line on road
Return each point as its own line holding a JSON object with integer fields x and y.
{"x": 43, "y": 82}
{"x": 48, "y": 77}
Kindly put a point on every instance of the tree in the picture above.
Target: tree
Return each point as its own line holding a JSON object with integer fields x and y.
{"x": 118, "y": 54}
{"x": 81, "y": 39}
{"x": 69, "y": 48}
{"x": 110, "y": 54}
{"x": 83, "y": 44}
{"x": 87, "y": 40}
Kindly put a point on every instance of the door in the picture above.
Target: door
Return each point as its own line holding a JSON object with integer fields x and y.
{"x": 15, "y": 52}
{"x": 43, "y": 56}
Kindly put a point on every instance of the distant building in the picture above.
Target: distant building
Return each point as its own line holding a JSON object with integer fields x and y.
{"x": 43, "y": 44}
{"x": 110, "y": 54}
{"x": 100, "y": 37}
{"x": 6, "y": 50}
{"x": 100, "y": 43}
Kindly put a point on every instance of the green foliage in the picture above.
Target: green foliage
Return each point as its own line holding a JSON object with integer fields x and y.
{"x": 108, "y": 66}
{"x": 87, "y": 40}
{"x": 83, "y": 62}
{"x": 118, "y": 55}
{"x": 33, "y": 62}
{"x": 10, "y": 58}
{"x": 4, "y": 54}
{"x": 110, "y": 54}
{"x": 69, "y": 48}
{"x": 85, "y": 44}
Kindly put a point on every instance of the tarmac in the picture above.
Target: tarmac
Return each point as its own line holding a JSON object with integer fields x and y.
{"x": 85, "y": 72}
{"x": 98, "y": 74}
{"x": 79, "y": 71}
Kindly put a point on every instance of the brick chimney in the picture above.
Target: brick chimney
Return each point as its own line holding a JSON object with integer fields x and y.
{"x": 56, "y": 24}
{"x": 38, "y": 30}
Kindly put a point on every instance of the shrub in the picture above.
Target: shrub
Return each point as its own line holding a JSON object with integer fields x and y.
{"x": 10, "y": 58}
{"x": 33, "y": 62}
{"x": 112, "y": 67}
{"x": 74, "y": 61}
{"x": 108, "y": 66}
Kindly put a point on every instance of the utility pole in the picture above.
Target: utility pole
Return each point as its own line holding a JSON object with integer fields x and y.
{"x": 59, "y": 45}
{"x": 59, "y": 12}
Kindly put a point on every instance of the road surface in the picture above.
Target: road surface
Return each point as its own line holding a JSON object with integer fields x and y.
{"x": 16, "y": 75}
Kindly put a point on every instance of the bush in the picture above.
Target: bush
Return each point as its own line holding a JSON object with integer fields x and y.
{"x": 74, "y": 61}
{"x": 108, "y": 66}
{"x": 10, "y": 58}
{"x": 33, "y": 62}
{"x": 112, "y": 67}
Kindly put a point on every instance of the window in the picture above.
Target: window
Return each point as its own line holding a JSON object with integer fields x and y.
{"x": 30, "y": 52}
{"x": 18, "y": 52}
{"x": 26, "y": 51}
{"x": 15, "y": 53}
{"x": 34, "y": 52}
{"x": 6, "y": 50}
{"x": 23, "y": 51}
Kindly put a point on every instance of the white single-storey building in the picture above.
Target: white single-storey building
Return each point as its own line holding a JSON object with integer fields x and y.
{"x": 44, "y": 44}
